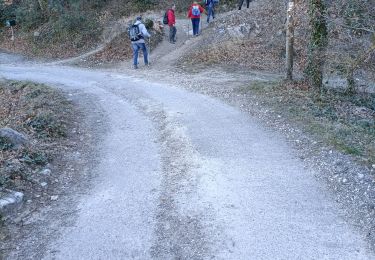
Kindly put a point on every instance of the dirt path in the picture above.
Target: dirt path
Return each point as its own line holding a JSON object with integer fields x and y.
{"x": 184, "y": 176}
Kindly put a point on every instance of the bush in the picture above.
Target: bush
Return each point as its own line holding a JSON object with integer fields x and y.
{"x": 28, "y": 15}
{"x": 46, "y": 125}
{"x": 73, "y": 27}
{"x": 142, "y": 5}
{"x": 35, "y": 158}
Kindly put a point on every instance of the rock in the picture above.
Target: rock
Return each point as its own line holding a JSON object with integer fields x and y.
{"x": 13, "y": 137}
{"x": 10, "y": 201}
{"x": 54, "y": 197}
{"x": 45, "y": 172}
{"x": 43, "y": 184}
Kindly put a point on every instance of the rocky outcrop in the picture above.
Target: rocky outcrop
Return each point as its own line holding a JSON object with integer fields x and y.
{"x": 9, "y": 201}
{"x": 13, "y": 137}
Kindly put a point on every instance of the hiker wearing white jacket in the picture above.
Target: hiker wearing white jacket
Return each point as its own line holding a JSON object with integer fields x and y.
{"x": 140, "y": 44}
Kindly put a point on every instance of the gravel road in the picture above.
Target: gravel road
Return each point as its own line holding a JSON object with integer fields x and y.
{"x": 184, "y": 176}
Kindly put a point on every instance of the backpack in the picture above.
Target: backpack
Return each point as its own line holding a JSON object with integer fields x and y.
{"x": 195, "y": 10}
{"x": 165, "y": 18}
{"x": 215, "y": 1}
{"x": 134, "y": 33}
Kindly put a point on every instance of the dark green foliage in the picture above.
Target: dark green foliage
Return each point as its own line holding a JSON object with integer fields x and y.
{"x": 46, "y": 125}
{"x": 143, "y": 5}
{"x": 318, "y": 23}
{"x": 29, "y": 15}
{"x": 6, "y": 13}
{"x": 149, "y": 24}
{"x": 71, "y": 24}
{"x": 36, "y": 158}
{"x": 66, "y": 22}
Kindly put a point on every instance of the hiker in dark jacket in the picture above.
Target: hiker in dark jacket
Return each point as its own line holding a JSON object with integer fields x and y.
{"x": 172, "y": 24}
{"x": 240, "y": 3}
{"x": 210, "y": 6}
{"x": 194, "y": 14}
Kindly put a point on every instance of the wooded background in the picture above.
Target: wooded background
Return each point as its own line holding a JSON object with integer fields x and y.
{"x": 338, "y": 35}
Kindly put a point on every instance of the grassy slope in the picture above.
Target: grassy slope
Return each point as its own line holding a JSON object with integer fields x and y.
{"x": 339, "y": 120}
{"x": 42, "y": 114}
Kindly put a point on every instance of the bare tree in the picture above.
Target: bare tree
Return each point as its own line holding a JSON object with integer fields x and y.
{"x": 289, "y": 40}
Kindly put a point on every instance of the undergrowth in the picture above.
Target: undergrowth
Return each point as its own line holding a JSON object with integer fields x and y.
{"x": 39, "y": 112}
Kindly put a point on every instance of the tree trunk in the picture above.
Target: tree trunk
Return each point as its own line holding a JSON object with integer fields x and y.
{"x": 289, "y": 41}
{"x": 318, "y": 44}
{"x": 41, "y": 5}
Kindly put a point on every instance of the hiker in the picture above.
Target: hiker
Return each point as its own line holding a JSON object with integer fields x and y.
{"x": 194, "y": 14}
{"x": 240, "y": 3}
{"x": 138, "y": 43}
{"x": 172, "y": 24}
{"x": 210, "y": 6}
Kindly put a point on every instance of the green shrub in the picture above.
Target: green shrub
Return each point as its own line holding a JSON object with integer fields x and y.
{"x": 28, "y": 15}
{"x": 36, "y": 158}
{"x": 46, "y": 125}
{"x": 143, "y": 5}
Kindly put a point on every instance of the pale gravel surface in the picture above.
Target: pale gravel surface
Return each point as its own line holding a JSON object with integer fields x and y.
{"x": 184, "y": 176}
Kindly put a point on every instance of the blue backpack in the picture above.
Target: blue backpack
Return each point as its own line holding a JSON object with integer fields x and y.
{"x": 195, "y": 10}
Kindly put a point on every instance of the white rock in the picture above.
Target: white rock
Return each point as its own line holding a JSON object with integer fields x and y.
{"x": 46, "y": 172}
{"x": 55, "y": 197}
{"x": 43, "y": 184}
{"x": 11, "y": 200}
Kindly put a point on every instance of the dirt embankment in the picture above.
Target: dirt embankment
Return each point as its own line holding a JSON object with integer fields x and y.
{"x": 48, "y": 122}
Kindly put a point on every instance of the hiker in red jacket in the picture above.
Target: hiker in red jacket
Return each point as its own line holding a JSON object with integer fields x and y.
{"x": 172, "y": 24}
{"x": 194, "y": 14}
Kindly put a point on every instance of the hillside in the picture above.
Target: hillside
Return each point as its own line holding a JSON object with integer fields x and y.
{"x": 253, "y": 38}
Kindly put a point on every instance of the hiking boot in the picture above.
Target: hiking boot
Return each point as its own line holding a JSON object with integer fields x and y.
{"x": 135, "y": 67}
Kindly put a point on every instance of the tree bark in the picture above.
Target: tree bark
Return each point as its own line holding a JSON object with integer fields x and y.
{"x": 318, "y": 44}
